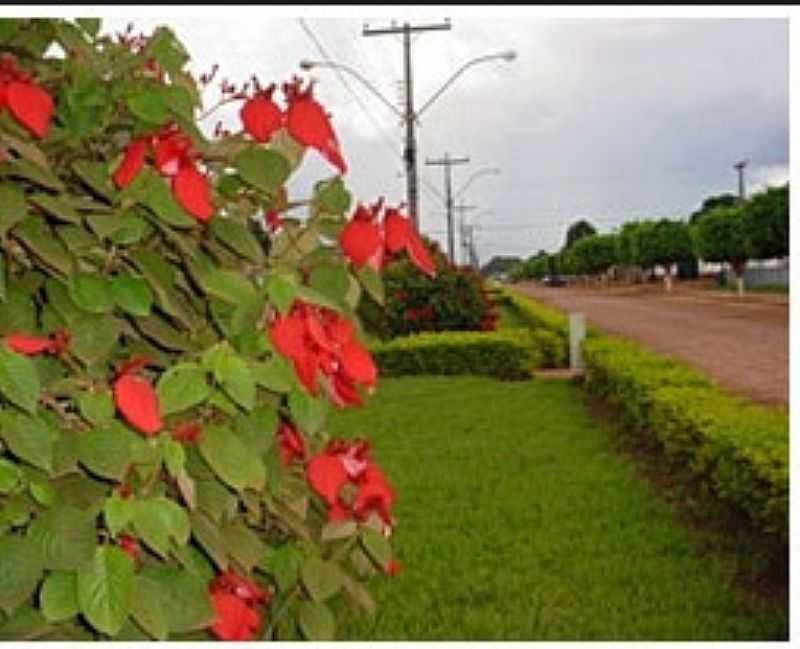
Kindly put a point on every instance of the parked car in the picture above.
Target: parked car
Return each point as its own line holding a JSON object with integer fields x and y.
{"x": 553, "y": 280}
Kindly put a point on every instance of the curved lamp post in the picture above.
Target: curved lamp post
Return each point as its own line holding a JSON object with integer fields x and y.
{"x": 409, "y": 116}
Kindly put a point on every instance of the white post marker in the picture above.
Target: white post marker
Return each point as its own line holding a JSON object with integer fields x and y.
{"x": 577, "y": 332}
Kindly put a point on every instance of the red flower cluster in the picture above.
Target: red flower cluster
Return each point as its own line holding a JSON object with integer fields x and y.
{"x": 317, "y": 340}
{"x": 136, "y": 399}
{"x": 290, "y": 444}
{"x": 129, "y": 546}
{"x": 174, "y": 158}
{"x": 422, "y": 313}
{"x": 55, "y": 343}
{"x": 304, "y": 118}
{"x": 342, "y": 463}
{"x": 366, "y": 241}
{"x": 234, "y": 598}
{"x": 28, "y": 102}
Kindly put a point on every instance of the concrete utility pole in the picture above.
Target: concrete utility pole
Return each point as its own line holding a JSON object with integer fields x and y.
{"x": 739, "y": 166}
{"x": 410, "y": 153}
{"x": 448, "y": 162}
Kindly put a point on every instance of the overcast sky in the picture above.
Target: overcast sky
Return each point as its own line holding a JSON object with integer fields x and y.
{"x": 603, "y": 119}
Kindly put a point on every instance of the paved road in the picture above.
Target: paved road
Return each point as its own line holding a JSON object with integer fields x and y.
{"x": 743, "y": 344}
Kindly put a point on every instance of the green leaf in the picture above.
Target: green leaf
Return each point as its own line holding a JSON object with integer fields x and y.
{"x": 373, "y": 283}
{"x": 174, "y": 457}
{"x": 90, "y": 25}
{"x": 117, "y": 513}
{"x": 331, "y": 280}
{"x": 13, "y": 208}
{"x": 132, "y": 294}
{"x": 149, "y": 106}
{"x": 243, "y": 544}
{"x": 283, "y": 563}
{"x": 106, "y": 452}
{"x": 282, "y": 290}
{"x": 91, "y": 292}
{"x": 238, "y": 382}
{"x": 105, "y": 590}
{"x": 316, "y": 621}
{"x": 332, "y": 197}
{"x": 276, "y": 374}
{"x": 157, "y": 520}
{"x": 96, "y": 177}
{"x": 19, "y": 382}
{"x": 159, "y": 199}
{"x": 42, "y": 492}
{"x": 96, "y": 407}
{"x": 377, "y": 546}
{"x": 187, "y": 603}
{"x": 231, "y": 460}
{"x": 65, "y": 537}
{"x": 309, "y": 413}
{"x": 56, "y": 207}
{"x": 150, "y": 606}
{"x": 210, "y": 539}
{"x": 322, "y": 579}
{"x": 10, "y": 476}
{"x": 20, "y": 571}
{"x": 262, "y": 168}
{"x": 22, "y": 168}
{"x": 25, "y": 623}
{"x": 238, "y": 238}
{"x": 181, "y": 387}
{"x": 36, "y": 236}
{"x": 94, "y": 338}
{"x": 28, "y": 438}
{"x": 58, "y": 597}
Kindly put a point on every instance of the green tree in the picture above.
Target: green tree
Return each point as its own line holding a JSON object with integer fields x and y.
{"x": 594, "y": 254}
{"x": 720, "y": 235}
{"x": 663, "y": 243}
{"x": 720, "y": 200}
{"x": 578, "y": 231}
{"x": 767, "y": 223}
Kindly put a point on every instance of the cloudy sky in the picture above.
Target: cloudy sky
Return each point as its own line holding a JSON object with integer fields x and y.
{"x": 603, "y": 119}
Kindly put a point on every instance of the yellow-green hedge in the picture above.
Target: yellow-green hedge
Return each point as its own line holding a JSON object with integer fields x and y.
{"x": 738, "y": 449}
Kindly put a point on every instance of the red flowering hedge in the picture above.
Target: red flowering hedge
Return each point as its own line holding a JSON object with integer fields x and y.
{"x": 175, "y": 332}
{"x": 456, "y": 299}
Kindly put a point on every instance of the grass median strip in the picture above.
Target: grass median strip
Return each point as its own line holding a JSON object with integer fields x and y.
{"x": 516, "y": 520}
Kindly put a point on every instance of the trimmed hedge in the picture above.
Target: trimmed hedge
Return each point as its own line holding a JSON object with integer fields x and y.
{"x": 509, "y": 354}
{"x": 737, "y": 449}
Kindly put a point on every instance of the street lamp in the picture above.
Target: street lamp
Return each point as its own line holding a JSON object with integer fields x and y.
{"x": 477, "y": 174}
{"x": 409, "y": 116}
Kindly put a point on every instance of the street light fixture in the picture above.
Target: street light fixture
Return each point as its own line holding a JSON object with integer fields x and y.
{"x": 409, "y": 116}
{"x": 477, "y": 174}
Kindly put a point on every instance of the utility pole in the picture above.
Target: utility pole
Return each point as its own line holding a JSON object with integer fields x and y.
{"x": 410, "y": 152}
{"x": 739, "y": 166}
{"x": 448, "y": 162}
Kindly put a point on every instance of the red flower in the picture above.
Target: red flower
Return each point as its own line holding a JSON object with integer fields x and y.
{"x": 345, "y": 462}
{"x": 191, "y": 191}
{"x": 260, "y": 116}
{"x": 320, "y": 342}
{"x": 290, "y": 444}
{"x": 308, "y": 123}
{"x": 174, "y": 159}
{"x": 235, "y": 619}
{"x": 131, "y": 164}
{"x": 273, "y": 220}
{"x": 137, "y": 402}
{"x": 189, "y": 432}
{"x": 129, "y": 546}
{"x": 56, "y": 343}
{"x": 392, "y": 568}
{"x": 28, "y": 102}
{"x": 234, "y": 598}
{"x": 366, "y": 242}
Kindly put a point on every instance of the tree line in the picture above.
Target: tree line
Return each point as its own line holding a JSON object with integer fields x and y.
{"x": 724, "y": 229}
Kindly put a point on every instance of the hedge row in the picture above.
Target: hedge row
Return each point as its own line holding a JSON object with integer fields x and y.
{"x": 508, "y": 354}
{"x": 739, "y": 450}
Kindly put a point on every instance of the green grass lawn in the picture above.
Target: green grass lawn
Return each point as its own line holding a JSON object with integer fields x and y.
{"x": 516, "y": 520}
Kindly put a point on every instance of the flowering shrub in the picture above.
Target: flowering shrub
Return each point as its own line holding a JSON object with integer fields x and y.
{"x": 455, "y": 299}
{"x": 175, "y": 331}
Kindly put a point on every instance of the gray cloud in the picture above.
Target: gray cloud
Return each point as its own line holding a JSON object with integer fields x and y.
{"x": 605, "y": 119}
